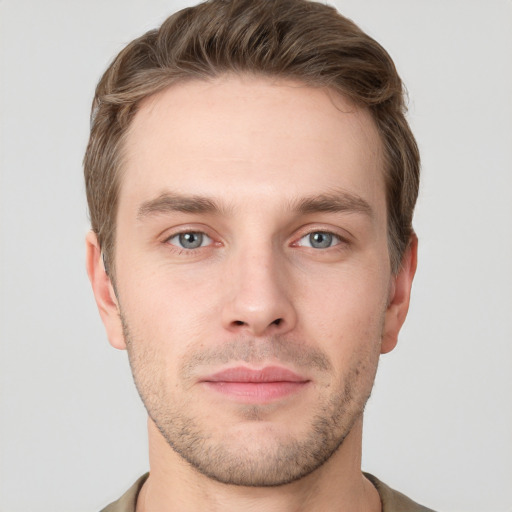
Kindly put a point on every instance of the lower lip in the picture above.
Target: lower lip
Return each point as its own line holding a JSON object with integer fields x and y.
{"x": 254, "y": 392}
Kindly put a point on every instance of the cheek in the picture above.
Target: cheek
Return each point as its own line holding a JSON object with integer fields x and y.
{"x": 170, "y": 307}
{"x": 347, "y": 310}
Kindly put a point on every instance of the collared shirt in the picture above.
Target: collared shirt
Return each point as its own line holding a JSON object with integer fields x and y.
{"x": 392, "y": 501}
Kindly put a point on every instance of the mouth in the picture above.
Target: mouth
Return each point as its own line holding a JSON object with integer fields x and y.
{"x": 248, "y": 385}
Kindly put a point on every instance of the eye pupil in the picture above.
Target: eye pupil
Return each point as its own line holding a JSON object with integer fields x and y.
{"x": 191, "y": 240}
{"x": 320, "y": 240}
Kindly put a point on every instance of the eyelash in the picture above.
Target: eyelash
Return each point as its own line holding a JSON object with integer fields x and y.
{"x": 336, "y": 238}
{"x": 185, "y": 250}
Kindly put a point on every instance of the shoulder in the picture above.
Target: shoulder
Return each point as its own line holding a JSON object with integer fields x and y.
{"x": 394, "y": 501}
{"x": 128, "y": 501}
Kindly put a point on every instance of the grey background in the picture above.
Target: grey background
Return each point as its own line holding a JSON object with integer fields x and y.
{"x": 439, "y": 424}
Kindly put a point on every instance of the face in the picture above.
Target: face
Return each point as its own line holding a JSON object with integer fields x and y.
{"x": 253, "y": 282}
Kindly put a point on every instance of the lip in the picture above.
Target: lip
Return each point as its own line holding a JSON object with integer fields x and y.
{"x": 255, "y": 385}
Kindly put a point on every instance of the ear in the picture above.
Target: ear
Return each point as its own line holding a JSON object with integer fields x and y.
{"x": 399, "y": 296}
{"x": 104, "y": 293}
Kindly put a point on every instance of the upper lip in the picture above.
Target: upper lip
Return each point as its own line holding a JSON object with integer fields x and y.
{"x": 249, "y": 375}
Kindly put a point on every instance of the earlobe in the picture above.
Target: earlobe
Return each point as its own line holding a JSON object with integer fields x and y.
{"x": 400, "y": 294}
{"x": 104, "y": 292}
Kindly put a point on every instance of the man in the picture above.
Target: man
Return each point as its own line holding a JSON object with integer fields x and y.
{"x": 251, "y": 181}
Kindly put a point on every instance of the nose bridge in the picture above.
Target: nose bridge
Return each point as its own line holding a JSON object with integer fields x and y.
{"x": 260, "y": 301}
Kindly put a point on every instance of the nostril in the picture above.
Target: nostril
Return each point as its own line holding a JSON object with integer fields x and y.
{"x": 239, "y": 322}
{"x": 277, "y": 321}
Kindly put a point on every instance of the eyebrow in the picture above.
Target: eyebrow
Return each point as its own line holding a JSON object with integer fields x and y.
{"x": 168, "y": 203}
{"x": 336, "y": 202}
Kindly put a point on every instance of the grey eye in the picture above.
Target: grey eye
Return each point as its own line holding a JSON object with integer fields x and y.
{"x": 190, "y": 240}
{"x": 320, "y": 240}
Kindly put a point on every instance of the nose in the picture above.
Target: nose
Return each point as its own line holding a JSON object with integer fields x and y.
{"x": 259, "y": 301}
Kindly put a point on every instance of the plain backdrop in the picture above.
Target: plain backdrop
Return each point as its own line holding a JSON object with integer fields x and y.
{"x": 439, "y": 423}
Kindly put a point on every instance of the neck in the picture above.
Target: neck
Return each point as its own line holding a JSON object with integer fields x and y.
{"x": 336, "y": 486}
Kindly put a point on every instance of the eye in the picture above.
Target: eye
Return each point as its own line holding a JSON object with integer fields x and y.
{"x": 190, "y": 240}
{"x": 319, "y": 240}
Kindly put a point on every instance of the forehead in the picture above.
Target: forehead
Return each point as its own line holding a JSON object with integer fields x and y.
{"x": 239, "y": 136}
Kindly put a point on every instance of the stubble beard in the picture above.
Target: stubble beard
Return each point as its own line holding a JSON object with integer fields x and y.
{"x": 283, "y": 458}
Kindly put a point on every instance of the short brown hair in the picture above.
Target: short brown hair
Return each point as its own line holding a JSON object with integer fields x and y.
{"x": 292, "y": 39}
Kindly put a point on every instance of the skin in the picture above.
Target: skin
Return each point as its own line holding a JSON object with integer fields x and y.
{"x": 272, "y": 162}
